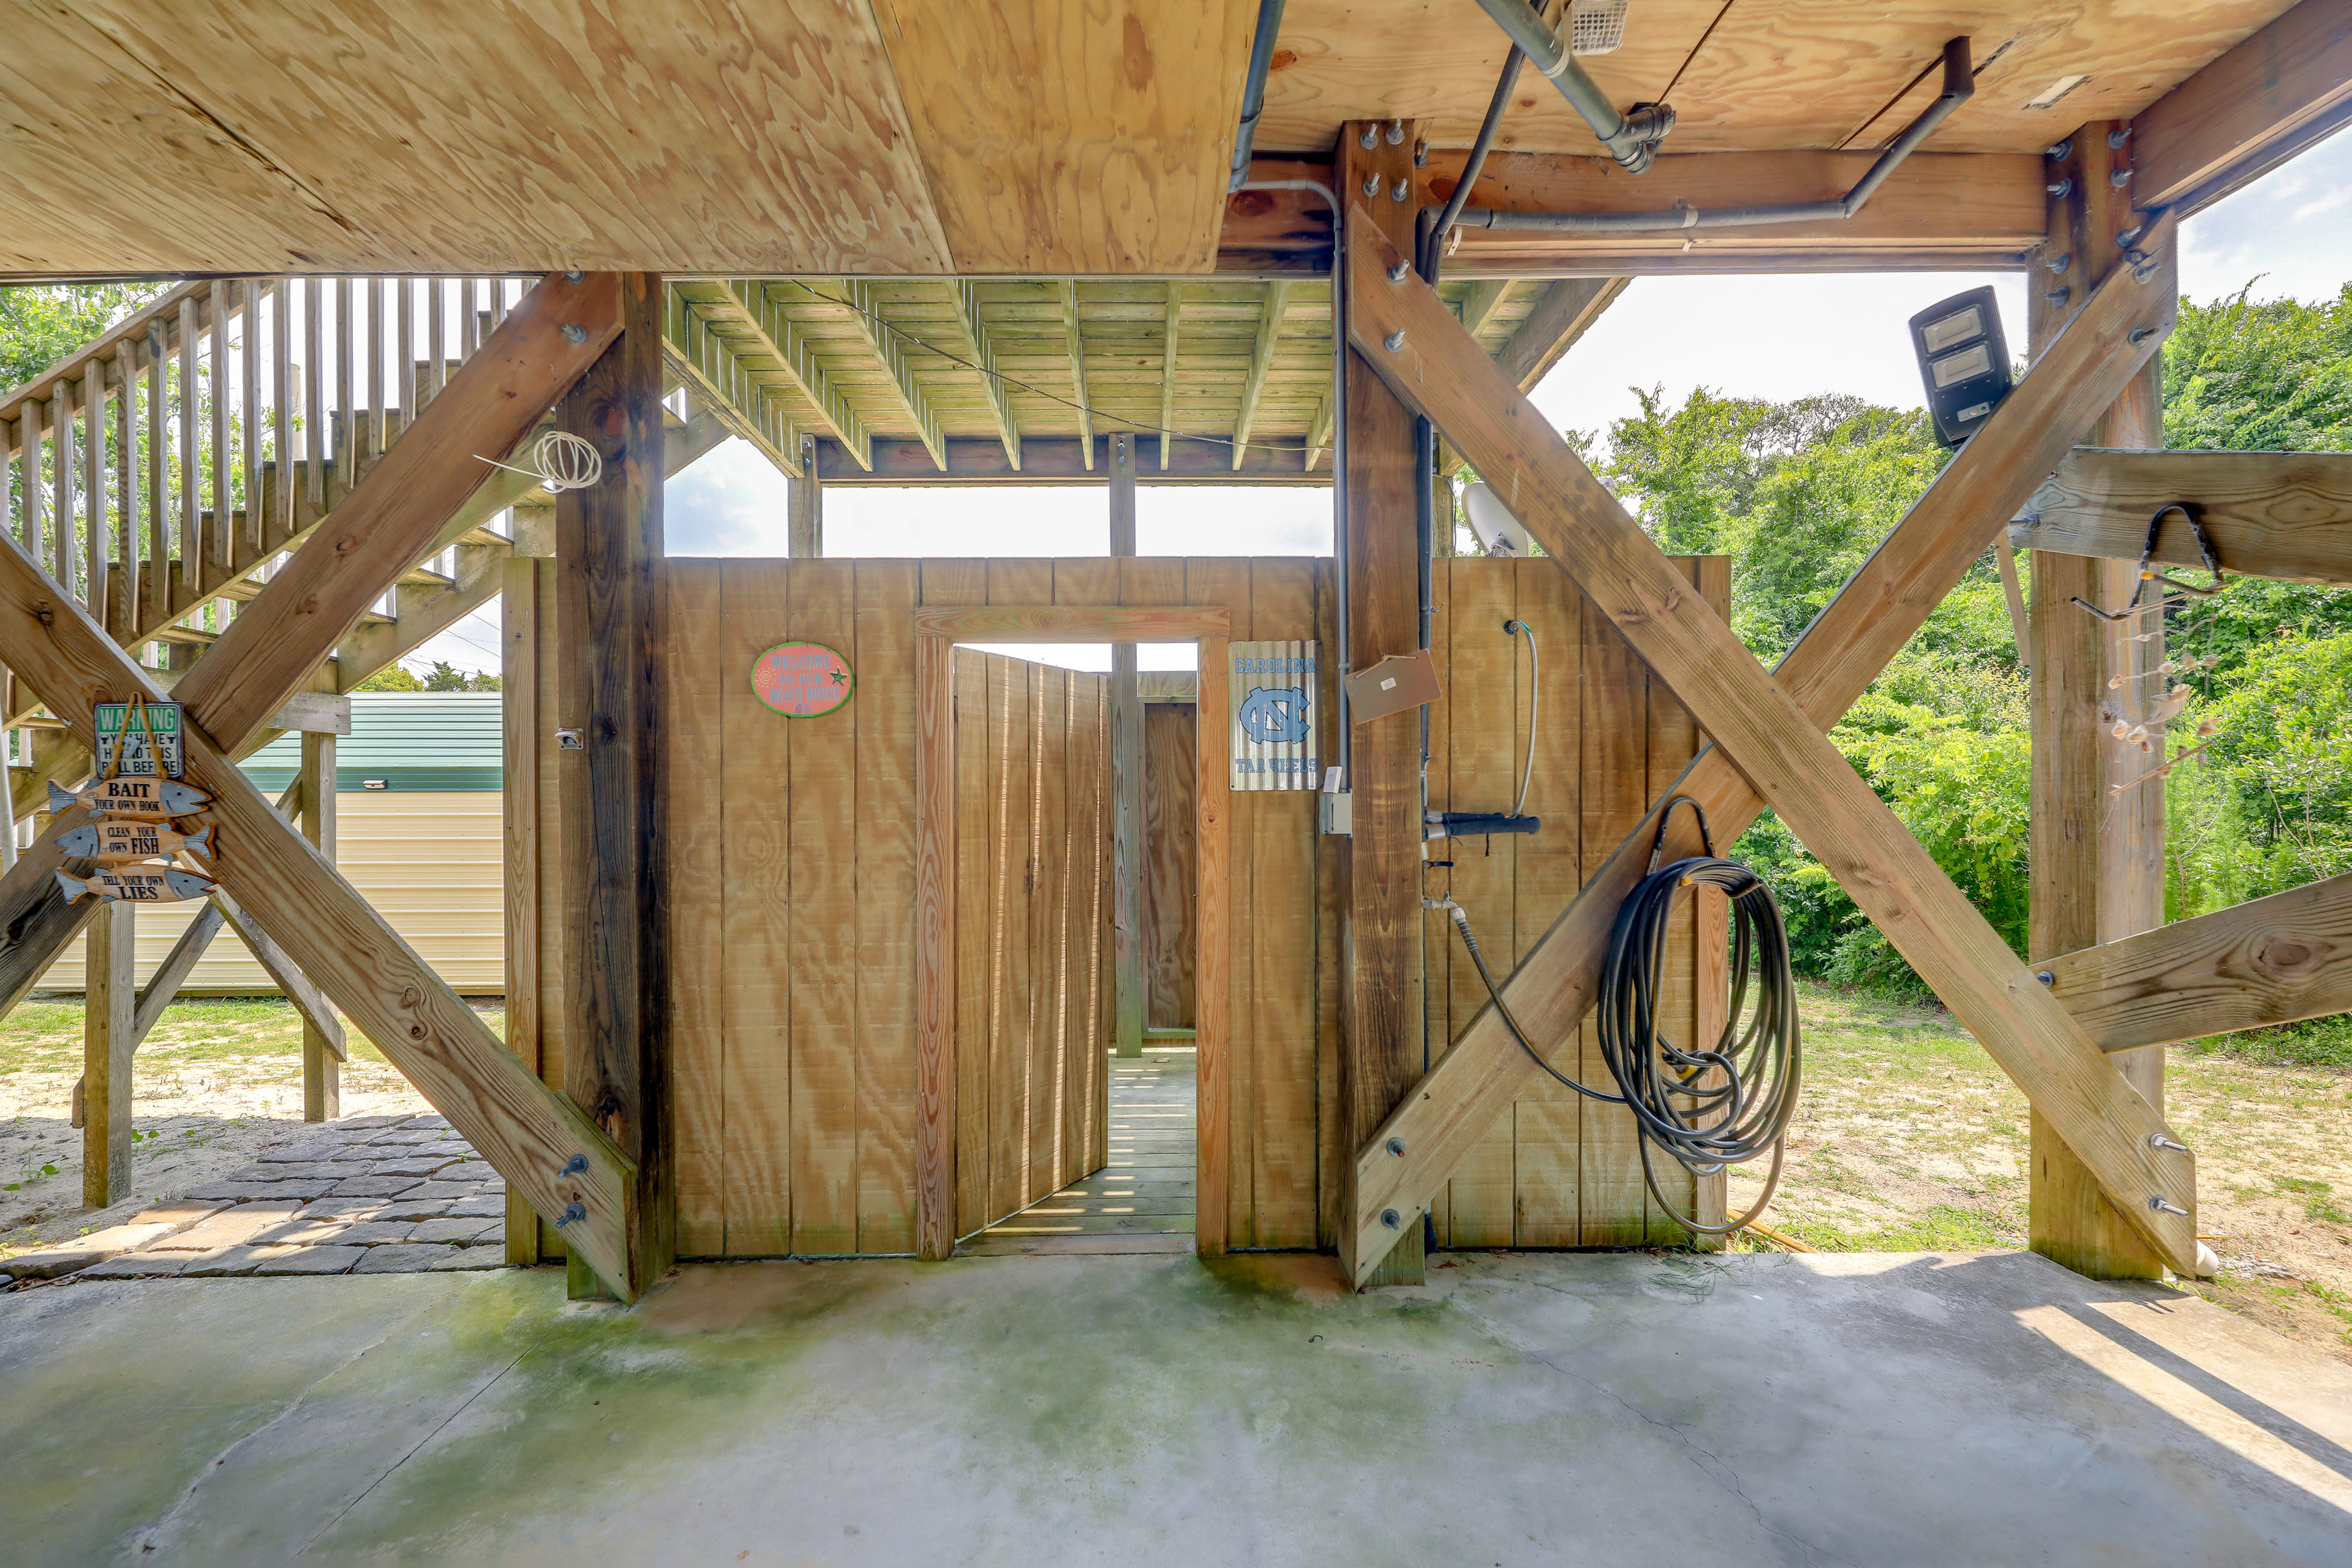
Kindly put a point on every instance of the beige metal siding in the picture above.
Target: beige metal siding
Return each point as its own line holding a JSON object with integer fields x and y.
{"x": 429, "y": 864}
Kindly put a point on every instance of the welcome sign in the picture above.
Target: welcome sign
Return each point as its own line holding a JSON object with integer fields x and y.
{"x": 1272, "y": 689}
{"x": 803, "y": 679}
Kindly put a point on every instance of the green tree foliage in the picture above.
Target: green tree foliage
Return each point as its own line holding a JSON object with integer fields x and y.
{"x": 442, "y": 677}
{"x": 39, "y": 325}
{"x": 1799, "y": 493}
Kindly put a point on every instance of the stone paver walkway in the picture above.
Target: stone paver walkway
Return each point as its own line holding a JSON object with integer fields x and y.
{"x": 371, "y": 1195}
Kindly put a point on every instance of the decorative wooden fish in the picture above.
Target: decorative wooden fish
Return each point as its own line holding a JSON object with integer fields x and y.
{"x": 147, "y": 800}
{"x": 138, "y": 885}
{"x": 114, "y": 842}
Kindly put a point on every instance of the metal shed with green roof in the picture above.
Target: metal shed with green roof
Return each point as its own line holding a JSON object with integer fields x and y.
{"x": 419, "y": 833}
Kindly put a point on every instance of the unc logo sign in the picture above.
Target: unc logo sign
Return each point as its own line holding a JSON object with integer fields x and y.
{"x": 1275, "y": 716}
{"x": 1271, "y": 688}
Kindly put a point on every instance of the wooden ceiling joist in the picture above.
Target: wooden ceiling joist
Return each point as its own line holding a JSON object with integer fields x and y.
{"x": 710, "y": 368}
{"x": 1057, "y": 460}
{"x": 1074, "y": 343}
{"x": 1269, "y": 332}
{"x": 1561, "y": 312}
{"x": 864, "y": 307}
{"x": 1483, "y": 299}
{"x": 966, "y": 301}
{"x": 2279, "y": 91}
{"x": 1171, "y": 338}
{"x": 774, "y": 345}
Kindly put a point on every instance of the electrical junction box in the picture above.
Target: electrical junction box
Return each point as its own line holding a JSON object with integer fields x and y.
{"x": 1336, "y": 812}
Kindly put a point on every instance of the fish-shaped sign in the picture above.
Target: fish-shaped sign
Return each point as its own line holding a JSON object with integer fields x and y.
{"x": 138, "y": 885}
{"x": 148, "y": 800}
{"x": 116, "y": 841}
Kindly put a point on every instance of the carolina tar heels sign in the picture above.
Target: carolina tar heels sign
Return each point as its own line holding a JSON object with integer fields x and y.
{"x": 1271, "y": 688}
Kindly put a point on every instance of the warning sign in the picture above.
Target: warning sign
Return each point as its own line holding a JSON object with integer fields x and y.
{"x": 153, "y": 736}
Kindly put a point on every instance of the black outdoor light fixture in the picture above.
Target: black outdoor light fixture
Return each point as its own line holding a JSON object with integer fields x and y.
{"x": 1963, "y": 361}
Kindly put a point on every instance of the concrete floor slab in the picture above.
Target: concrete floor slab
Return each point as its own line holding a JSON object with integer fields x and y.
{"x": 1523, "y": 1409}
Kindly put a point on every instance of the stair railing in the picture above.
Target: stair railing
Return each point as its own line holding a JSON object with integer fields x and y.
{"x": 160, "y": 471}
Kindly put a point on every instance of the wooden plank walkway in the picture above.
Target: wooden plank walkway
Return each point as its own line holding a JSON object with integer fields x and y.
{"x": 1142, "y": 1201}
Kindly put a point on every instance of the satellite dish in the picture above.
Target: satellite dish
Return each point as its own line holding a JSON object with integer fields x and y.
{"x": 1496, "y": 530}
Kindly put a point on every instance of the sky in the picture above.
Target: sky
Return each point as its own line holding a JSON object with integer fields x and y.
{"x": 2288, "y": 235}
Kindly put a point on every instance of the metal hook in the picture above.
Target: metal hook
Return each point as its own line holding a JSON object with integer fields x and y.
{"x": 1706, "y": 834}
{"x": 2204, "y": 548}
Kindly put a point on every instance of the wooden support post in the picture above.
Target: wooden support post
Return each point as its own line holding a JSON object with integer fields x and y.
{"x": 805, "y": 508}
{"x": 616, "y": 958}
{"x": 1128, "y": 985}
{"x": 1383, "y": 1027}
{"x": 524, "y": 740}
{"x": 108, "y": 1038}
{"x": 2098, "y": 861}
{"x": 322, "y": 1082}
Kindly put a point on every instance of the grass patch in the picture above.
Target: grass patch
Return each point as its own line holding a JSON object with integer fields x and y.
{"x": 1944, "y": 1227}
{"x": 2313, "y": 1043}
{"x": 46, "y": 1036}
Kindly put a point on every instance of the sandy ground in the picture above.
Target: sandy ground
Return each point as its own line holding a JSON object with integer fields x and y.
{"x": 1909, "y": 1137}
{"x": 217, "y": 1084}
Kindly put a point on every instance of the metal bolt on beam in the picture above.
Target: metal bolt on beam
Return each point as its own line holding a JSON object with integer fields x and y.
{"x": 2158, "y": 1141}
{"x": 1371, "y": 185}
{"x": 2062, "y": 189}
{"x": 1395, "y": 340}
{"x": 2123, "y": 236}
{"x": 1396, "y": 1147}
{"x": 2059, "y": 296}
{"x": 2117, "y": 138}
{"x": 1403, "y": 189}
{"x": 575, "y": 1166}
{"x": 2060, "y": 149}
{"x": 1369, "y": 139}
{"x": 2119, "y": 178}
{"x": 2162, "y": 1204}
{"x": 1396, "y": 132}
{"x": 2059, "y": 263}
{"x": 1392, "y": 1219}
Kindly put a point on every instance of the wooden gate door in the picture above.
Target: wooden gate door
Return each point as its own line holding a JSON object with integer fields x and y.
{"x": 1033, "y": 931}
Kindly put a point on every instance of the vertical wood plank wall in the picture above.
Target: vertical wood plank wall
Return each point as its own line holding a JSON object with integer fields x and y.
{"x": 1171, "y": 864}
{"x": 1560, "y": 1170}
{"x": 1033, "y": 852}
{"x": 793, "y": 905}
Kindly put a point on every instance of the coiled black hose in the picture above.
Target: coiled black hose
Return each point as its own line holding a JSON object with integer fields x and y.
{"x": 1728, "y": 1103}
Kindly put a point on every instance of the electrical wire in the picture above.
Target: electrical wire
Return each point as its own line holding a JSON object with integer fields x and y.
{"x": 1126, "y": 426}
{"x": 1727, "y": 1104}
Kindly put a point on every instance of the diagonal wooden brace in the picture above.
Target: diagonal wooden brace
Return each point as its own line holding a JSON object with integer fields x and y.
{"x": 1411, "y": 339}
{"x": 535, "y": 1138}
{"x": 1878, "y": 610}
{"x": 393, "y": 519}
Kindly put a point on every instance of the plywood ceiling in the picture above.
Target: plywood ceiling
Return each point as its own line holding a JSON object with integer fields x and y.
{"x": 706, "y": 135}
{"x": 881, "y": 138}
{"x": 1753, "y": 74}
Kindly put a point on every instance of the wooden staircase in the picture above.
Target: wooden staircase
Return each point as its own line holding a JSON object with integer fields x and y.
{"x": 98, "y": 452}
